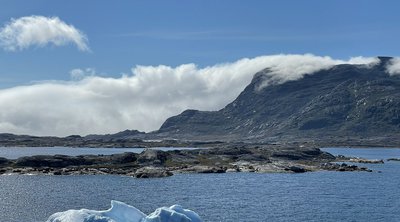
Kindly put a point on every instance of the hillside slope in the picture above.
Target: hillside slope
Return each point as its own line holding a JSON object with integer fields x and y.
{"x": 345, "y": 100}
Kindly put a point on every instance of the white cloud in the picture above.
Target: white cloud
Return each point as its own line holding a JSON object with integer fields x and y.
{"x": 143, "y": 100}
{"x": 79, "y": 74}
{"x": 28, "y": 31}
{"x": 393, "y": 67}
{"x": 370, "y": 61}
{"x": 284, "y": 68}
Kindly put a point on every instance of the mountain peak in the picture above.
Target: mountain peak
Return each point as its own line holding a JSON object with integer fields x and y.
{"x": 384, "y": 59}
{"x": 346, "y": 100}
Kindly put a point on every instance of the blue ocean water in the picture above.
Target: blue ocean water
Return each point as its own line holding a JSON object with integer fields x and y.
{"x": 239, "y": 197}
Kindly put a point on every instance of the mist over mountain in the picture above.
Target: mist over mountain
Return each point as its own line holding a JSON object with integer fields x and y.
{"x": 343, "y": 100}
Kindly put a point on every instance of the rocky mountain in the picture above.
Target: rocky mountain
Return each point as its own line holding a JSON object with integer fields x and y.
{"x": 343, "y": 101}
{"x": 349, "y": 105}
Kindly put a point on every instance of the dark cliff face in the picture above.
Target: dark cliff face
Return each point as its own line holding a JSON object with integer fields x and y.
{"x": 344, "y": 100}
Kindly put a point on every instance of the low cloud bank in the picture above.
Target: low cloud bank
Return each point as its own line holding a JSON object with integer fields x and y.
{"x": 393, "y": 67}
{"x": 144, "y": 100}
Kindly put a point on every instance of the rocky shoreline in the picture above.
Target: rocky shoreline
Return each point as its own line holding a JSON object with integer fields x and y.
{"x": 156, "y": 163}
{"x": 341, "y": 158}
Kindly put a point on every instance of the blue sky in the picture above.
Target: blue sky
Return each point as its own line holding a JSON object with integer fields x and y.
{"x": 122, "y": 34}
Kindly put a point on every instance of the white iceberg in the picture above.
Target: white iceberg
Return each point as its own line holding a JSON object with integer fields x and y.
{"x": 121, "y": 212}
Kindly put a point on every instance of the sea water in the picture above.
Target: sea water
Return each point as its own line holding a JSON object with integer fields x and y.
{"x": 236, "y": 197}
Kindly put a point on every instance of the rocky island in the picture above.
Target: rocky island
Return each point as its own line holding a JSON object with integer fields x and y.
{"x": 157, "y": 163}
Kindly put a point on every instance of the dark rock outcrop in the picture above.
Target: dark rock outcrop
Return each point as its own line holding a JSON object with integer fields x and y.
{"x": 124, "y": 158}
{"x": 296, "y": 169}
{"x": 3, "y": 161}
{"x": 205, "y": 169}
{"x": 152, "y": 172}
{"x": 343, "y": 167}
{"x": 57, "y": 161}
{"x": 60, "y": 161}
{"x": 152, "y": 156}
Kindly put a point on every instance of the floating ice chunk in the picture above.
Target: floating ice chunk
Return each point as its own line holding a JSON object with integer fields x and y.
{"x": 174, "y": 213}
{"x": 118, "y": 212}
{"x": 121, "y": 212}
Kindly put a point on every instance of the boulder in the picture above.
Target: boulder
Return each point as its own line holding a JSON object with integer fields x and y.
{"x": 152, "y": 172}
{"x": 152, "y": 156}
{"x": 296, "y": 169}
{"x": 122, "y": 158}
{"x": 205, "y": 169}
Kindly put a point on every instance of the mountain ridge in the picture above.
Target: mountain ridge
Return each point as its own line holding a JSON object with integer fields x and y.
{"x": 355, "y": 100}
{"x": 345, "y": 105}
